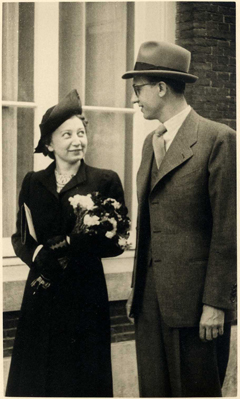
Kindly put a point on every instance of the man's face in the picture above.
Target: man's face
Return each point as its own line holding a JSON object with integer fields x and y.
{"x": 146, "y": 95}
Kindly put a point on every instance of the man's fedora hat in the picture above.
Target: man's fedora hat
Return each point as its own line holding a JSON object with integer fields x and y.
{"x": 56, "y": 115}
{"x": 163, "y": 59}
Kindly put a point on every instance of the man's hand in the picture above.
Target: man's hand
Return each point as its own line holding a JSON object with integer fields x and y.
{"x": 211, "y": 323}
{"x": 128, "y": 307}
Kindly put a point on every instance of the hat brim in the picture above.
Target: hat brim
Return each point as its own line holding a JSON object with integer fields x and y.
{"x": 185, "y": 77}
{"x": 40, "y": 147}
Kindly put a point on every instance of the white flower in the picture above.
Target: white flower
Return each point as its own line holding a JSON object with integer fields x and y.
{"x": 112, "y": 233}
{"x": 84, "y": 201}
{"x": 122, "y": 242}
{"x": 114, "y": 223}
{"x": 91, "y": 220}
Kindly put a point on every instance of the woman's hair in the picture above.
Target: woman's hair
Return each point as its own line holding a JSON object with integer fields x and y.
{"x": 178, "y": 86}
{"x": 47, "y": 139}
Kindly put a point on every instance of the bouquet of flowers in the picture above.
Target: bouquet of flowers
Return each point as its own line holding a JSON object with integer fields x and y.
{"x": 101, "y": 217}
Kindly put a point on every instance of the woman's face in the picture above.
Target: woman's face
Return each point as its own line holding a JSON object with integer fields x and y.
{"x": 69, "y": 141}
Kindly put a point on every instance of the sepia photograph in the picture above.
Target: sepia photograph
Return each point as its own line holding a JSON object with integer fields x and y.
{"x": 119, "y": 222}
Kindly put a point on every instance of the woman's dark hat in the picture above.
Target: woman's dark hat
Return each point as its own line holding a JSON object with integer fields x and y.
{"x": 56, "y": 115}
{"x": 164, "y": 60}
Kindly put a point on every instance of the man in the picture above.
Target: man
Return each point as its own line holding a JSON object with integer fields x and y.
{"x": 183, "y": 296}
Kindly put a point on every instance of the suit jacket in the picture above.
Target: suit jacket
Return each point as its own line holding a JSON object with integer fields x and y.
{"x": 189, "y": 218}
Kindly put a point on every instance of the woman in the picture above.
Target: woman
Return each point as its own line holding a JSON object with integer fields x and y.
{"x": 62, "y": 346}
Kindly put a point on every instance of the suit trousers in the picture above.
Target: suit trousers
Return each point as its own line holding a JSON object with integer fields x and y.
{"x": 174, "y": 362}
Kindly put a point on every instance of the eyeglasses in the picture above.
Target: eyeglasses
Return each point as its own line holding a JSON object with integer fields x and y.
{"x": 136, "y": 88}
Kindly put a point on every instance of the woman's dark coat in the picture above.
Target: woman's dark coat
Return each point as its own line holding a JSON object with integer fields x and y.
{"x": 62, "y": 347}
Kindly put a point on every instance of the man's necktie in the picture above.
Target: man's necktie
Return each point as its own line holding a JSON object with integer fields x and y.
{"x": 159, "y": 145}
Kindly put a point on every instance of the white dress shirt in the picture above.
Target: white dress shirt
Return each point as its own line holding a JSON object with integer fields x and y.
{"x": 173, "y": 125}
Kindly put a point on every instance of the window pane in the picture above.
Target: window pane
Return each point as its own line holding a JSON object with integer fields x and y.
{"x": 72, "y": 55}
{"x": 25, "y": 138}
{"x": 106, "y": 53}
{"x": 18, "y": 123}
{"x": 17, "y": 160}
{"x": 26, "y": 52}
{"x": 104, "y": 147}
{"x": 10, "y": 51}
{"x": 9, "y": 168}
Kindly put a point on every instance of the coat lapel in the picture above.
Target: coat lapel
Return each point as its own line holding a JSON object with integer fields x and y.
{"x": 145, "y": 168}
{"x": 47, "y": 178}
{"x": 78, "y": 179}
{"x": 180, "y": 150}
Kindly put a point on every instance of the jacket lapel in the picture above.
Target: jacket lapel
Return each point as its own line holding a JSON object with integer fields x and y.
{"x": 180, "y": 150}
{"x": 78, "y": 179}
{"x": 145, "y": 168}
{"x": 47, "y": 178}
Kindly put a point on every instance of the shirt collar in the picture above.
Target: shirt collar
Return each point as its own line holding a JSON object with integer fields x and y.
{"x": 176, "y": 121}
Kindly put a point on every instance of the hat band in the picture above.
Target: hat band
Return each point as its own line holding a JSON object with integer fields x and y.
{"x": 143, "y": 66}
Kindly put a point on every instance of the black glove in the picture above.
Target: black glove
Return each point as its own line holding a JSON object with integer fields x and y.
{"x": 81, "y": 243}
{"x": 52, "y": 258}
{"x": 94, "y": 244}
{"x": 60, "y": 248}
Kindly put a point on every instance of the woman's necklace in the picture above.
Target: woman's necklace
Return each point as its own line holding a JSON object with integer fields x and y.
{"x": 62, "y": 179}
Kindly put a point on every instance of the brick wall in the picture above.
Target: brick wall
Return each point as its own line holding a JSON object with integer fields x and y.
{"x": 121, "y": 328}
{"x": 207, "y": 29}
{"x": 10, "y": 320}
